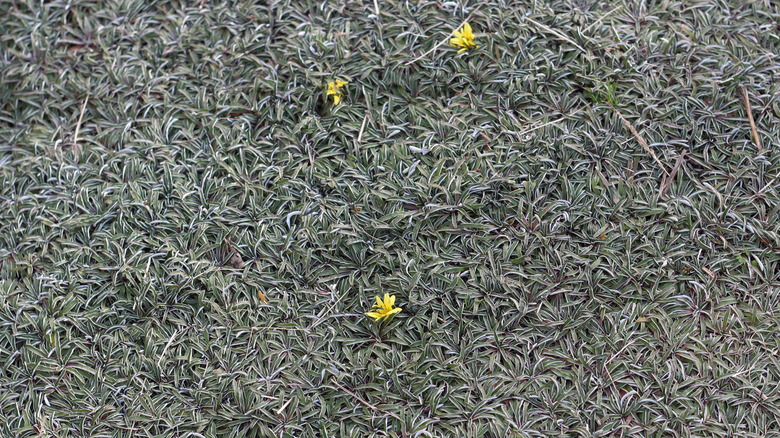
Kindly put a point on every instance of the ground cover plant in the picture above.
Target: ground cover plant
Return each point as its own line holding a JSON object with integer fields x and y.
{"x": 576, "y": 211}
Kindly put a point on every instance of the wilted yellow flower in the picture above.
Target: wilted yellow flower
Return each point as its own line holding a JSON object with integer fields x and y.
{"x": 463, "y": 38}
{"x": 334, "y": 89}
{"x": 384, "y": 308}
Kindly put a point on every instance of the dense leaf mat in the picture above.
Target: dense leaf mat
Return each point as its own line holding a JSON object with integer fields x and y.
{"x": 548, "y": 286}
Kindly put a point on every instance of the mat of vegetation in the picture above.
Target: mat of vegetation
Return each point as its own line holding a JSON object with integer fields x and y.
{"x": 579, "y": 219}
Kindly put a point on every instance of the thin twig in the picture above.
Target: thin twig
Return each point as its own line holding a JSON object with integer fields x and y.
{"x": 78, "y": 123}
{"x": 444, "y": 40}
{"x": 642, "y": 142}
{"x": 534, "y": 128}
{"x": 289, "y": 329}
{"x": 555, "y": 32}
{"x": 365, "y": 403}
{"x": 769, "y": 184}
{"x": 666, "y": 182}
{"x": 279, "y": 411}
{"x": 746, "y": 101}
{"x": 614, "y": 355}
{"x": 315, "y": 323}
{"x": 362, "y": 127}
{"x": 601, "y": 18}
{"x": 167, "y": 346}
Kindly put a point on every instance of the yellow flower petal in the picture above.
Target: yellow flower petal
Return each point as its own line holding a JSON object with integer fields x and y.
{"x": 375, "y": 315}
{"x": 463, "y": 38}
{"x": 388, "y": 303}
{"x": 383, "y": 308}
{"x": 333, "y": 89}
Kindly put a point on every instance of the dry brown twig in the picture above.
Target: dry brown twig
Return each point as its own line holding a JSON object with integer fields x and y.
{"x": 666, "y": 181}
{"x": 753, "y": 130}
{"x": 535, "y": 127}
{"x": 554, "y": 32}
{"x": 642, "y": 142}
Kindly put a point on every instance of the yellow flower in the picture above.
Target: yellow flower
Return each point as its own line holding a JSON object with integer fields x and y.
{"x": 334, "y": 89}
{"x": 464, "y": 39}
{"x": 384, "y": 308}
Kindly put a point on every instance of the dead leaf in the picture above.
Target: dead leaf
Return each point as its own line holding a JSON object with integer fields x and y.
{"x": 235, "y": 261}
